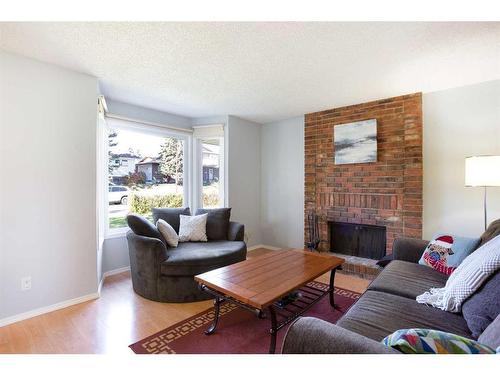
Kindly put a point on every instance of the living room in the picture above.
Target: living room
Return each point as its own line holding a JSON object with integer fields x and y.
{"x": 250, "y": 187}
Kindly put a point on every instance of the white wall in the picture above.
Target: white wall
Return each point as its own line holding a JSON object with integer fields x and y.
{"x": 282, "y": 185}
{"x": 244, "y": 160}
{"x": 459, "y": 122}
{"x": 47, "y": 193}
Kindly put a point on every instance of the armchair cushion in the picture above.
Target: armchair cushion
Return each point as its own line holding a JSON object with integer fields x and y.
{"x": 236, "y": 231}
{"x": 193, "y": 228}
{"x": 170, "y": 215}
{"x": 168, "y": 233}
{"x": 192, "y": 258}
{"x": 142, "y": 227}
{"x": 217, "y": 222}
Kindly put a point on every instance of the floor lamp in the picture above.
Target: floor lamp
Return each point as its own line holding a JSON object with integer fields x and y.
{"x": 482, "y": 171}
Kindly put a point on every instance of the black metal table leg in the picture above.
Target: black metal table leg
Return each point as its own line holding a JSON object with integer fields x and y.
{"x": 213, "y": 327}
{"x": 331, "y": 291}
{"x": 273, "y": 331}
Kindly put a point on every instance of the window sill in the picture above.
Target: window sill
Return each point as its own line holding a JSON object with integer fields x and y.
{"x": 116, "y": 233}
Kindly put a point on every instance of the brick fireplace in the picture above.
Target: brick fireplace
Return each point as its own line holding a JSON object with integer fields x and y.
{"x": 386, "y": 193}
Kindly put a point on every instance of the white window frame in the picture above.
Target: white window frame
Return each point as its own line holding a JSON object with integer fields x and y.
{"x": 198, "y": 171}
{"x": 186, "y": 137}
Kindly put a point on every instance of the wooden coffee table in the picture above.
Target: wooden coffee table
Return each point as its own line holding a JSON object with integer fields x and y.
{"x": 259, "y": 283}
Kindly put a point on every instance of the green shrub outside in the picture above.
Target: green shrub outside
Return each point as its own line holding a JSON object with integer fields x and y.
{"x": 210, "y": 200}
{"x": 142, "y": 205}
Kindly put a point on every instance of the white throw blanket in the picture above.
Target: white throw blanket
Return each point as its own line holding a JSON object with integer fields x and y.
{"x": 466, "y": 279}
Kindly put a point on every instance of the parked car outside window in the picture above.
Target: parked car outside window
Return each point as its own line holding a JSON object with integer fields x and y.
{"x": 118, "y": 194}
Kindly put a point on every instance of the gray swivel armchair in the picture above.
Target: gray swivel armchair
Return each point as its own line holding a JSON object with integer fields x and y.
{"x": 165, "y": 274}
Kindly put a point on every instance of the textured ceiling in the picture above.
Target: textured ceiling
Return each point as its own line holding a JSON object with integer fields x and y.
{"x": 263, "y": 71}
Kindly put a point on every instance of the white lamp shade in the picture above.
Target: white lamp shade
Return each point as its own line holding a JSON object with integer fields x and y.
{"x": 482, "y": 171}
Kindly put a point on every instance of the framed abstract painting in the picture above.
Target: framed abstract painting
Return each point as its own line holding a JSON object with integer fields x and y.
{"x": 355, "y": 142}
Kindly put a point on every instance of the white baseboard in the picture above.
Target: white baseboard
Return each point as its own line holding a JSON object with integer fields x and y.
{"x": 47, "y": 309}
{"x": 88, "y": 297}
{"x": 269, "y": 247}
{"x": 115, "y": 271}
{"x": 61, "y": 305}
{"x": 111, "y": 273}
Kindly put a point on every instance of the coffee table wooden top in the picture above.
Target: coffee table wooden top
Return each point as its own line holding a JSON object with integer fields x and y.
{"x": 262, "y": 280}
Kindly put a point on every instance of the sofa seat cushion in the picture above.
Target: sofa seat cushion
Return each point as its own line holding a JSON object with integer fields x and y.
{"x": 407, "y": 279}
{"x": 193, "y": 258}
{"x": 377, "y": 315}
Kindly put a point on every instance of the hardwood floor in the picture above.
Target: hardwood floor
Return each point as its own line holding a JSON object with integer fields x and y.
{"x": 114, "y": 321}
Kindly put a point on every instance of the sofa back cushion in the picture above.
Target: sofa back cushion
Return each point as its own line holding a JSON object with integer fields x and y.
{"x": 490, "y": 233}
{"x": 143, "y": 227}
{"x": 491, "y": 335}
{"x": 481, "y": 309}
{"x": 170, "y": 215}
{"x": 217, "y": 222}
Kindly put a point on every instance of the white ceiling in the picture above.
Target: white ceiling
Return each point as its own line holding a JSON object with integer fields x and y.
{"x": 263, "y": 71}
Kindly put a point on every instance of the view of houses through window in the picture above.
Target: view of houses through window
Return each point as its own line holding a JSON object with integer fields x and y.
{"x": 145, "y": 171}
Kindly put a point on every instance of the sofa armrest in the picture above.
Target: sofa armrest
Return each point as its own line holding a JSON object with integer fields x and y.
{"x": 408, "y": 249}
{"x": 316, "y": 336}
{"x": 236, "y": 231}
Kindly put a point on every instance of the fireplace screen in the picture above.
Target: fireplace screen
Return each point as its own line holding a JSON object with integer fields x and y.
{"x": 361, "y": 240}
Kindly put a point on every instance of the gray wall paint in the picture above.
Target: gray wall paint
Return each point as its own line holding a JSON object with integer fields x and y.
{"x": 48, "y": 207}
{"x": 115, "y": 254}
{"x": 244, "y": 155}
{"x": 147, "y": 114}
{"x": 282, "y": 185}
{"x": 459, "y": 122}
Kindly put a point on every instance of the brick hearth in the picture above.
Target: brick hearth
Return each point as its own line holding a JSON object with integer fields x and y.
{"x": 388, "y": 192}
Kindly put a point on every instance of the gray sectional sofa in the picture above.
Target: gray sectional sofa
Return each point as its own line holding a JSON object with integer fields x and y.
{"x": 389, "y": 304}
{"x": 165, "y": 274}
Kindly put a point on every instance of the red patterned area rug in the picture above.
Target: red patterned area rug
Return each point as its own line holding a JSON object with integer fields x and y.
{"x": 239, "y": 331}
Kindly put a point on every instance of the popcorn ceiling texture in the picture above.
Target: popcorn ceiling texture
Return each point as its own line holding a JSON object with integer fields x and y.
{"x": 262, "y": 71}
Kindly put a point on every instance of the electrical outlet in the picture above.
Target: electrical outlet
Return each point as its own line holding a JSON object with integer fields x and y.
{"x": 26, "y": 283}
